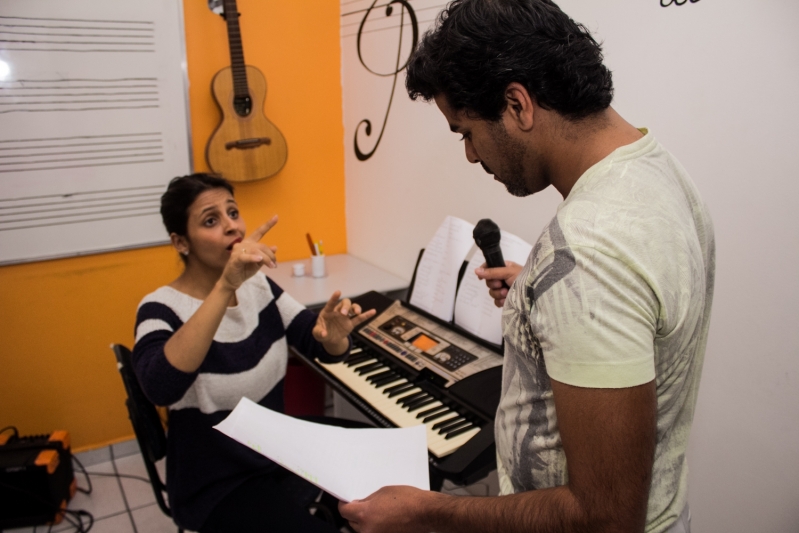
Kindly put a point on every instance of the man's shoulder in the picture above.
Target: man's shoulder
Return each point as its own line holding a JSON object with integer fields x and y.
{"x": 638, "y": 197}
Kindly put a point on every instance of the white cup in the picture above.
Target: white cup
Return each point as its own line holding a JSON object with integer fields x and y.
{"x": 318, "y": 266}
{"x": 299, "y": 270}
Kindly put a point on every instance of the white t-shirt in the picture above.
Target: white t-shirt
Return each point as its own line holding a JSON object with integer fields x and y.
{"x": 616, "y": 293}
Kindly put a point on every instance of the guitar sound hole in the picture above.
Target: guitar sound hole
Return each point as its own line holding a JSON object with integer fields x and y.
{"x": 242, "y": 105}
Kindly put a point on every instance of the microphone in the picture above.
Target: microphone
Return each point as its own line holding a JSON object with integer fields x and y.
{"x": 487, "y": 236}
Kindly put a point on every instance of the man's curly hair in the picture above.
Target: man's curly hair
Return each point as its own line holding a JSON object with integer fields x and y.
{"x": 478, "y": 47}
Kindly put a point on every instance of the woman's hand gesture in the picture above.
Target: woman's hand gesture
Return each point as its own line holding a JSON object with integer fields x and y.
{"x": 336, "y": 321}
{"x": 247, "y": 257}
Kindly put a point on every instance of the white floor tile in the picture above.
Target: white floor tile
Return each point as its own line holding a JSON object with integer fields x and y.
{"x": 105, "y": 499}
{"x": 150, "y": 519}
{"x": 93, "y": 457}
{"x": 115, "y": 524}
{"x": 138, "y": 493}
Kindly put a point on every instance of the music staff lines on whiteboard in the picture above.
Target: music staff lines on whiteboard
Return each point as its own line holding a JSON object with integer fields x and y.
{"x": 11, "y": 32}
{"x": 40, "y": 154}
{"x": 81, "y": 137}
{"x": 28, "y": 95}
{"x": 80, "y": 20}
{"x": 85, "y": 151}
{"x": 90, "y": 219}
{"x": 63, "y": 167}
{"x": 120, "y": 36}
{"x": 76, "y": 94}
{"x": 71, "y": 160}
{"x": 50, "y": 210}
{"x": 78, "y": 144}
{"x": 101, "y": 193}
{"x": 61, "y": 218}
{"x": 50, "y": 102}
{"x": 152, "y": 195}
{"x": 15, "y": 214}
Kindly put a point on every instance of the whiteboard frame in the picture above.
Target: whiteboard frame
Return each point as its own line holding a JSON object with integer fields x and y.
{"x": 187, "y": 105}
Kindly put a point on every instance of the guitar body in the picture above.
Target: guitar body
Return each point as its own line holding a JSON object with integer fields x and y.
{"x": 244, "y": 148}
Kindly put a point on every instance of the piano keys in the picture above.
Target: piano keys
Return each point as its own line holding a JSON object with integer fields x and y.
{"x": 406, "y": 403}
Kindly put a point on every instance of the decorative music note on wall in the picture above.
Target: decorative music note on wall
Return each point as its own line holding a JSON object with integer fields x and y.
{"x": 403, "y": 5}
{"x": 667, "y": 3}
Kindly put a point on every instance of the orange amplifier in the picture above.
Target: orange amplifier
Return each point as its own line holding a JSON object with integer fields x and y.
{"x": 36, "y": 478}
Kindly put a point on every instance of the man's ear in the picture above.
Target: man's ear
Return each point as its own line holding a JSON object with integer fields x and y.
{"x": 520, "y": 107}
{"x": 179, "y": 243}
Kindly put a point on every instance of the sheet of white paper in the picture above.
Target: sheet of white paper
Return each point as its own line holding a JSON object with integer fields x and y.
{"x": 350, "y": 464}
{"x": 474, "y": 308}
{"x": 437, "y": 275}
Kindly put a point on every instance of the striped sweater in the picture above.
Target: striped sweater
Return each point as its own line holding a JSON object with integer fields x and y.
{"x": 247, "y": 358}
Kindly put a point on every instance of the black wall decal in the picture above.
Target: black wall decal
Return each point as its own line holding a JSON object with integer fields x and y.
{"x": 404, "y": 5}
{"x": 667, "y": 3}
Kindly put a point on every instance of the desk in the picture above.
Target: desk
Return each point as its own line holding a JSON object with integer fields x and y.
{"x": 345, "y": 273}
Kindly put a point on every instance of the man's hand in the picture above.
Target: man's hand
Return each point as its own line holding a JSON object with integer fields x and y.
{"x": 494, "y": 278}
{"x": 336, "y": 321}
{"x": 609, "y": 438}
{"x": 390, "y": 510}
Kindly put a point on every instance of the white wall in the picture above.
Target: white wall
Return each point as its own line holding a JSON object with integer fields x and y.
{"x": 717, "y": 83}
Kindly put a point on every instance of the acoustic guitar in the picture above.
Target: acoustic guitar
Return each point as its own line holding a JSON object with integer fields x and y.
{"x": 246, "y": 146}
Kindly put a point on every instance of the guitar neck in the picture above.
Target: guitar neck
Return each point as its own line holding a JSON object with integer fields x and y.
{"x": 236, "y": 49}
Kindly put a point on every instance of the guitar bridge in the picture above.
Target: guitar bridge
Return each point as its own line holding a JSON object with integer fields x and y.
{"x": 244, "y": 144}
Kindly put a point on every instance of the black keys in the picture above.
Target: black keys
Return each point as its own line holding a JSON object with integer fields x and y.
{"x": 354, "y": 360}
{"x": 446, "y": 422}
{"x": 433, "y": 410}
{"x": 455, "y": 424}
{"x": 439, "y": 414}
{"x": 398, "y": 389}
{"x": 411, "y": 398}
{"x": 379, "y": 375}
{"x": 418, "y": 404}
{"x": 386, "y": 380}
{"x": 457, "y": 432}
{"x": 368, "y": 368}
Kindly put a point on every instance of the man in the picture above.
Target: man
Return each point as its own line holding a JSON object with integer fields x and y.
{"x": 606, "y": 324}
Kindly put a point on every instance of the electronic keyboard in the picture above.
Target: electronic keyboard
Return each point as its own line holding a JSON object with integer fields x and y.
{"x": 408, "y": 368}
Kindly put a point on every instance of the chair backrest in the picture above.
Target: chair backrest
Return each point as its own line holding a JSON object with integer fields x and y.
{"x": 146, "y": 423}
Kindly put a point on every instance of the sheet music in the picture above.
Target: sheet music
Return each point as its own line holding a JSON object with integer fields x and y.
{"x": 349, "y": 464}
{"x": 474, "y": 308}
{"x": 437, "y": 274}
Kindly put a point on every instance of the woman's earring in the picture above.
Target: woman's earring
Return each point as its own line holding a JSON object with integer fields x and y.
{"x": 185, "y": 252}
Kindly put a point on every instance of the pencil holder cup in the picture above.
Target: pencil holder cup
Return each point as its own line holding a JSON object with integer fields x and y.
{"x": 318, "y": 269}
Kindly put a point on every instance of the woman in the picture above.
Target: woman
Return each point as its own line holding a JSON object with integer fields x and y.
{"x": 218, "y": 333}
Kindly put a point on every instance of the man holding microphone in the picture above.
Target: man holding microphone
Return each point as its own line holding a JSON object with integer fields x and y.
{"x": 605, "y": 326}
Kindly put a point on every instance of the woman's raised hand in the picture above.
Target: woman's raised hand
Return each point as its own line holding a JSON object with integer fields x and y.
{"x": 336, "y": 321}
{"x": 247, "y": 257}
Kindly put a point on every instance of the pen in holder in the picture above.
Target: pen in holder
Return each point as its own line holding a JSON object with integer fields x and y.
{"x": 318, "y": 266}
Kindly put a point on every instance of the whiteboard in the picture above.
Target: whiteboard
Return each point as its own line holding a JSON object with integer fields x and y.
{"x": 93, "y": 124}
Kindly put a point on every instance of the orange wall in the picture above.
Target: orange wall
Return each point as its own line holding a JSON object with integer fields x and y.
{"x": 58, "y": 318}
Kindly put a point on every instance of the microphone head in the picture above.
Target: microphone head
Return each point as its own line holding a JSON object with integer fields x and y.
{"x": 486, "y": 234}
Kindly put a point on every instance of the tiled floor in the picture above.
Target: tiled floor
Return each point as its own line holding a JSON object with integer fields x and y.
{"x": 125, "y": 505}
{"x": 119, "y": 505}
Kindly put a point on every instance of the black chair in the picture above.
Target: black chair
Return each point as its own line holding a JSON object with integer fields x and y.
{"x": 146, "y": 425}
{"x": 152, "y": 442}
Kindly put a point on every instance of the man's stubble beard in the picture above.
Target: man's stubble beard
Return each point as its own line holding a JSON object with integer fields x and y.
{"x": 512, "y": 153}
